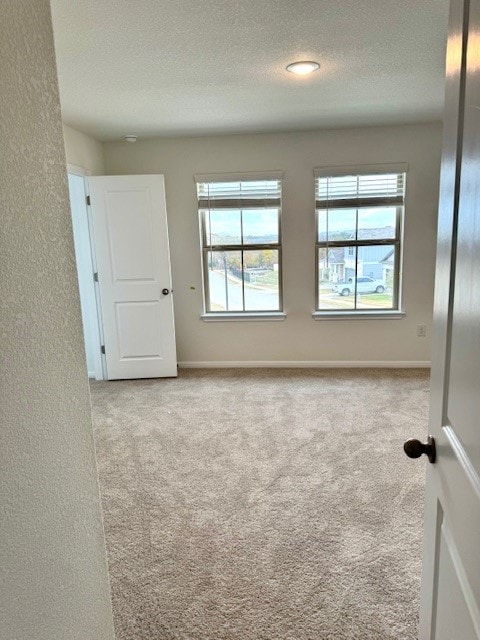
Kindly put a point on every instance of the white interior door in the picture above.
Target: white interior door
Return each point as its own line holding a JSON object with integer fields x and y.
{"x": 130, "y": 236}
{"x": 450, "y": 602}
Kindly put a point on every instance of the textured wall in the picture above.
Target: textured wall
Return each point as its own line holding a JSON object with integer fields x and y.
{"x": 54, "y": 583}
{"x": 84, "y": 151}
{"x": 299, "y": 338}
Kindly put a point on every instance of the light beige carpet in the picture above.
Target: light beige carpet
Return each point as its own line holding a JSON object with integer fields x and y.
{"x": 263, "y": 504}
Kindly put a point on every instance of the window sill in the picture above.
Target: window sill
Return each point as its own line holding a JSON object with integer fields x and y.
{"x": 274, "y": 316}
{"x": 358, "y": 315}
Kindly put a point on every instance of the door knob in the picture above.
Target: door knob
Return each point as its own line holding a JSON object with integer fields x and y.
{"x": 414, "y": 448}
{"x": 165, "y": 292}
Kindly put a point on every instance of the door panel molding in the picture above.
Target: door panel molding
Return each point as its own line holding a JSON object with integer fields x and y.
{"x": 463, "y": 459}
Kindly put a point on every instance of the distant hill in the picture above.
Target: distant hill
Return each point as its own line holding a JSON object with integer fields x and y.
{"x": 379, "y": 233}
{"x": 220, "y": 239}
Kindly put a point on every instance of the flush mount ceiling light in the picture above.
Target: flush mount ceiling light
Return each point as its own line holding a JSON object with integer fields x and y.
{"x": 130, "y": 138}
{"x": 303, "y": 68}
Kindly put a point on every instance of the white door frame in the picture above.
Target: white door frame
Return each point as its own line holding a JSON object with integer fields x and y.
{"x": 99, "y": 358}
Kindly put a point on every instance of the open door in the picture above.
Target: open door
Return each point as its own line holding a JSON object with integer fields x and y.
{"x": 130, "y": 237}
{"x": 85, "y": 270}
{"x": 450, "y": 600}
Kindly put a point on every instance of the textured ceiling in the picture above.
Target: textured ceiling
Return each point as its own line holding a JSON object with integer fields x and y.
{"x": 194, "y": 67}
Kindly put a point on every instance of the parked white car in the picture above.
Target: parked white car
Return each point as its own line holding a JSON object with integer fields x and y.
{"x": 364, "y": 285}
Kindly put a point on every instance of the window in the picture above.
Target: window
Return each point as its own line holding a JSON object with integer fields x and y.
{"x": 359, "y": 218}
{"x": 241, "y": 243}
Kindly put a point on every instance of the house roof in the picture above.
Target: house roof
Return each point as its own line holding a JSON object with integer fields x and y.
{"x": 381, "y": 233}
{"x": 390, "y": 257}
{"x": 335, "y": 256}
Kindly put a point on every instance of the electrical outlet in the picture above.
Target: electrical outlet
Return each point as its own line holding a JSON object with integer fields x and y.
{"x": 421, "y": 330}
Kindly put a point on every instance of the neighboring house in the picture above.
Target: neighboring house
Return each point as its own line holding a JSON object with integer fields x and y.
{"x": 375, "y": 261}
{"x": 388, "y": 267}
{"x": 332, "y": 266}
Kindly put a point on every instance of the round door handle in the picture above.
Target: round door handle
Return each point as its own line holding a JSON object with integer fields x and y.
{"x": 414, "y": 448}
{"x": 165, "y": 292}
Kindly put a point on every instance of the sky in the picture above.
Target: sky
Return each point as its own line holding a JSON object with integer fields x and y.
{"x": 256, "y": 222}
{"x": 345, "y": 219}
{"x": 263, "y": 222}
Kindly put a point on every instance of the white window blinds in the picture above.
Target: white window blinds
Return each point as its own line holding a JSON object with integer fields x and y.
{"x": 239, "y": 194}
{"x": 343, "y": 191}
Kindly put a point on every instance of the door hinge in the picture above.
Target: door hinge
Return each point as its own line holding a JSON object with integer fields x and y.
{"x": 88, "y": 200}
{"x": 102, "y": 349}
{"x": 95, "y": 277}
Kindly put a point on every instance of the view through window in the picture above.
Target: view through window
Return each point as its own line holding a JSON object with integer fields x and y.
{"x": 359, "y": 220}
{"x": 241, "y": 243}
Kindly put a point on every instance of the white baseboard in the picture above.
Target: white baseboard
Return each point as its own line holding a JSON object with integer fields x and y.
{"x": 306, "y": 364}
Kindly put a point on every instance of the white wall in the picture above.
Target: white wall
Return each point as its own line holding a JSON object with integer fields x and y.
{"x": 84, "y": 151}
{"x": 299, "y": 338}
{"x": 54, "y": 581}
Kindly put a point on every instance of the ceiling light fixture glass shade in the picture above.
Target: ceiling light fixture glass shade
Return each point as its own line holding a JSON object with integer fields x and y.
{"x": 303, "y": 68}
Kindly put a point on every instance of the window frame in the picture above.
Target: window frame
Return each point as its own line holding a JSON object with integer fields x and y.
{"x": 206, "y": 247}
{"x": 397, "y": 243}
